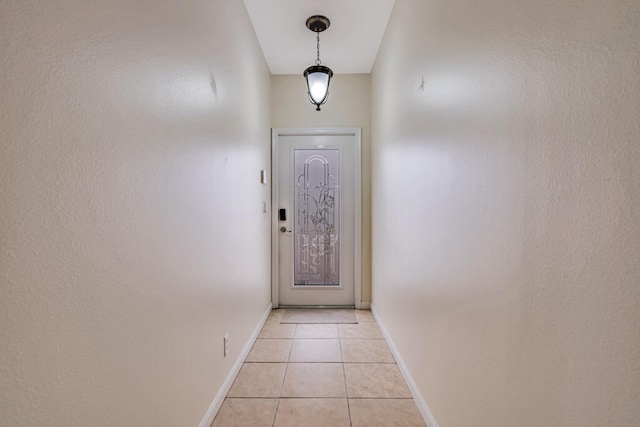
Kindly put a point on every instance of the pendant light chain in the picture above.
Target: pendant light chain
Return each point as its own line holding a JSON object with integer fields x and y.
{"x": 318, "y": 62}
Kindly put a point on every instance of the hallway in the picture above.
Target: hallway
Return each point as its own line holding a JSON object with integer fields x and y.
{"x": 324, "y": 375}
{"x": 500, "y": 212}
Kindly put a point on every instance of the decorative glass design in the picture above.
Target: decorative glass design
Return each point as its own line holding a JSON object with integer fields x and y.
{"x": 316, "y": 218}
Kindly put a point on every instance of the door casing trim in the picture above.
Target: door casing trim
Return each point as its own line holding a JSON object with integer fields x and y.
{"x": 338, "y": 131}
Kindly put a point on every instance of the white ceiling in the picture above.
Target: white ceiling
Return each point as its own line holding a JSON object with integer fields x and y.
{"x": 350, "y": 45}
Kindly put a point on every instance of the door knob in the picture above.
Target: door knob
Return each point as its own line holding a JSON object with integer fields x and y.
{"x": 283, "y": 229}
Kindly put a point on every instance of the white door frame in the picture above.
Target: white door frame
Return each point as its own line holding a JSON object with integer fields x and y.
{"x": 275, "y": 135}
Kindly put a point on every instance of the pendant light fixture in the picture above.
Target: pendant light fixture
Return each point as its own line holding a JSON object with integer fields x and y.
{"x": 318, "y": 76}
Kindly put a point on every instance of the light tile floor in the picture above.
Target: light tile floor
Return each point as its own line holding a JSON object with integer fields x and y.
{"x": 323, "y": 375}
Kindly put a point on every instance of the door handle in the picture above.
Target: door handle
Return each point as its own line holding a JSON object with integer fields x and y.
{"x": 283, "y": 229}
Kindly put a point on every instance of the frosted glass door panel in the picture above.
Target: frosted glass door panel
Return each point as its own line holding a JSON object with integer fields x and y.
{"x": 316, "y": 217}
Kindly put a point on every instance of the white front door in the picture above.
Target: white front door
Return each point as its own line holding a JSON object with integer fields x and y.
{"x": 316, "y": 217}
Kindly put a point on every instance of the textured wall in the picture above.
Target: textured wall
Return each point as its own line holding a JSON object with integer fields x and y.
{"x": 348, "y": 106}
{"x": 506, "y": 208}
{"x": 131, "y": 227}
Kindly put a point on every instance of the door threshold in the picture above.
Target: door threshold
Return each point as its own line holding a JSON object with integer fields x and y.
{"x": 317, "y": 306}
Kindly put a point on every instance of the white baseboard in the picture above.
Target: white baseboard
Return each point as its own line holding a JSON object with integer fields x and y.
{"x": 207, "y": 420}
{"x": 426, "y": 413}
{"x": 364, "y": 305}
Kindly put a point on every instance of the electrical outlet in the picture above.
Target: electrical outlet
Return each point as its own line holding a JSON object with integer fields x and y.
{"x": 226, "y": 344}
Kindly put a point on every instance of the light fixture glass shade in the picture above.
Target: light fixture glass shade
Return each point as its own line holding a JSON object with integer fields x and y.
{"x": 318, "y": 78}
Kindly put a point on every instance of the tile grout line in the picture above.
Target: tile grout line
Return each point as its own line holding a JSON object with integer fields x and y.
{"x": 344, "y": 376}
{"x": 286, "y": 369}
{"x": 275, "y": 414}
{"x": 316, "y": 397}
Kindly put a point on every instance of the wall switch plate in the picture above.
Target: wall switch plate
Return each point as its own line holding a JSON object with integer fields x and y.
{"x": 226, "y": 344}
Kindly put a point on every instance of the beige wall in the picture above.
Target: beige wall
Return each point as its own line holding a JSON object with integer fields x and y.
{"x": 130, "y": 207}
{"x": 506, "y": 203}
{"x": 348, "y": 105}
